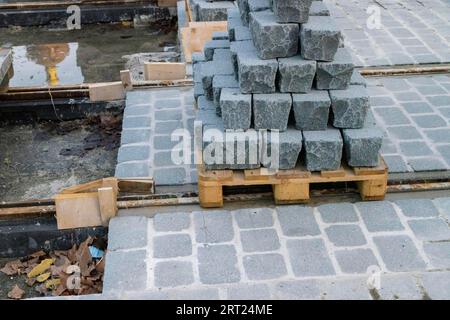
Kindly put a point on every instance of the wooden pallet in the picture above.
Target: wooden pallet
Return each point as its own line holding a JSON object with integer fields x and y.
{"x": 290, "y": 186}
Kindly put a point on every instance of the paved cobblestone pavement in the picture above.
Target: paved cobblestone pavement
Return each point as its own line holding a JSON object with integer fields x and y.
{"x": 410, "y": 31}
{"x": 287, "y": 252}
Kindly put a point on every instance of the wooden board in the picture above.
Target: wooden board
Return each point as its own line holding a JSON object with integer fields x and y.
{"x": 167, "y": 3}
{"x": 106, "y": 91}
{"x": 164, "y": 71}
{"x": 291, "y": 186}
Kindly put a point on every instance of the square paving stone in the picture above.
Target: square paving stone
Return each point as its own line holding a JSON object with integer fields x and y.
{"x": 127, "y": 233}
{"x": 438, "y": 253}
{"x": 437, "y": 284}
{"x": 281, "y": 149}
{"x": 264, "y": 266}
{"x": 296, "y": 74}
{"x": 323, "y": 149}
{"x": 177, "y": 221}
{"x": 213, "y": 226}
{"x": 260, "y": 240}
{"x": 392, "y": 116}
{"x": 349, "y": 107}
{"x": 417, "y": 208}
{"x": 135, "y": 136}
{"x": 434, "y": 229}
{"x": 399, "y": 253}
{"x": 172, "y": 245}
{"x": 335, "y": 75}
{"x": 134, "y": 169}
{"x": 338, "y": 212}
{"x": 236, "y": 109}
{"x": 443, "y": 204}
{"x": 133, "y": 153}
{"x": 217, "y": 264}
{"x": 356, "y": 260}
{"x": 311, "y": 110}
{"x": 292, "y": 10}
{"x": 319, "y": 38}
{"x": 319, "y": 8}
{"x": 254, "y": 218}
{"x": 297, "y": 221}
{"x": 399, "y": 287}
{"x": 173, "y": 273}
{"x": 193, "y": 294}
{"x": 415, "y": 149}
{"x": 417, "y": 107}
{"x": 309, "y": 258}
{"x": 298, "y": 290}
{"x": 256, "y": 75}
{"x": 438, "y": 135}
{"x": 249, "y": 292}
{"x": 379, "y": 216}
{"x": 405, "y": 133}
{"x": 429, "y": 121}
{"x": 345, "y": 289}
{"x": 170, "y": 176}
{"x": 271, "y": 111}
{"x": 362, "y": 146}
{"x": 122, "y": 263}
{"x": 346, "y": 235}
{"x": 427, "y": 164}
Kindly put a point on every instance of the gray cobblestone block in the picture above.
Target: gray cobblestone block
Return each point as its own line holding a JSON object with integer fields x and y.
{"x": 197, "y": 71}
{"x": 248, "y": 292}
{"x": 443, "y": 204}
{"x": 439, "y": 101}
{"x": 362, "y": 146}
{"x": 167, "y": 127}
{"x": 213, "y": 11}
{"x": 311, "y": 110}
{"x": 256, "y": 75}
{"x": 337, "y": 74}
{"x": 217, "y": 264}
{"x": 133, "y": 153}
{"x": 211, "y": 69}
{"x": 236, "y": 109}
{"x": 405, "y": 133}
{"x": 379, "y": 216}
{"x": 426, "y": 164}
{"x": 345, "y": 289}
{"x": 244, "y": 11}
{"x": 127, "y": 233}
{"x": 271, "y": 111}
{"x": 434, "y": 229}
{"x": 281, "y": 149}
{"x": 211, "y": 46}
{"x": 167, "y": 103}
{"x": 264, "y": 266}
{"x": 399, "y": 253}
{"x": 220, "y": 35}
{"x": 198, "y": 57}
{"x": 319, "y": 8}
{"x": 134, "y": 169}
{"x": 418, "y": 208}
{"x": 438, "y": 253}
{"x": 220, "y": 82}
{"x": 221, "y": 54}
{"x": 297, "y": 290}
{"x": 120, "y": 263}
{"x": 346, "y": 235}
{"x": 395, "y": 163}
{"x": 135, "y": 136}
{"x": 194, "y": 294}
{"x": 323, "y": 149}
{"x": 168, "y": 115}
{"x": 415, "y": 149}
{"x": 297, "y": 221}
{"x": 399, "y": 287}
{"x": 309, "y": 258}
{"x": 296, "y": 74}
{"x": 272, "y": 39}
{"x": 349, "y": 107}
{"x": 235, "y": 48}
{"x": 356, "y": 260}
{"x": 292, "y": 10}
{"x": 260, "y": 240}
{"x": 172, "y": 245}
{"x": 169, "y": 176}
{"x": 357, "y": 79}
{"x": 137, "y": 110}
{"x": 254, "y": 218}
{"x": 319, "y": 38}
{"x": 139, "y": 97}
{"x": 205, "y": 104}
{"x": 136, "y": 122}
{"x": 163, "y": 142}
{"x": 140, "y": 295}
{"x": 177, "y": 221}
{"x": 213, "y": 227}
{"x": 259, "y": 5}
{"x": 437, "y": 284}
{"x": 338, "y": 213}
{"x": 232, "y": 24}
{"x": 242, "y": 33}
{"x": 429, "y": 121}
{"x": 173, "y": 273}
{"x": 208, "y": 117}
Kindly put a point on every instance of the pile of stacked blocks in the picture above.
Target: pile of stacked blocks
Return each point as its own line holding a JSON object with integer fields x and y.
{"x": 283, "y": 68}
{"x": 210, "y": 10}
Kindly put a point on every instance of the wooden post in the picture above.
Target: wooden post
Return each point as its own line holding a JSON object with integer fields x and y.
{"x": 291, "y": 192}
{"x": 373, "y": 189}
{"x": 211, "y": 196}
{"x": 125, "y": 76}
{"x": 107, "y": 199}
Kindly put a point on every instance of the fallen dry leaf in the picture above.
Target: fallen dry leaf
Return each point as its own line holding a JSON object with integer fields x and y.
{"x": 38, "y": 254}
{"x": 40, "y": 268}
{"x": 43, "y": 277}
{"x": 84, "y": 257}
{"x": 30, "y": 281}
{"x": 52, "y": 283}
{"x": 16, "y": 293}
{"x": 12, "y": 267}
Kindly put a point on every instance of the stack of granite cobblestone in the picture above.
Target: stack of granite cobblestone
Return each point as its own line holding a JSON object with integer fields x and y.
{"x": 210, "y": 10}
{"x": 283, "y": 69}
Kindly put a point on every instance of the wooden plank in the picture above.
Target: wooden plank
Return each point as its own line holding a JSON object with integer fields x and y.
{"x": 107, "y": 198}
{"x": 188, "y": 10}
{"x": 167, "y": 3}
{"x": 61, "y": 4}
{"x": 125, "y": 77}
{"x": 106, "y": 91}
{"x": 144, "y": 186}
{"x": 333, "y": 173}
{"x": 77, "y": 210}
{"x": 380, "y": 169}
{"x": 164, "y": 71}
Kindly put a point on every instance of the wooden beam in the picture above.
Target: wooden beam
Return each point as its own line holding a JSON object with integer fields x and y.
{"x": 65, "y": 3}
{"x": 164, "y": 71}
{"x": 106, "y": 91}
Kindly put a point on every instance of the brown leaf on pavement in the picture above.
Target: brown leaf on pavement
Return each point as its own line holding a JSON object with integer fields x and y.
{"x": 12, "y": 268}
{"x": 16, "y": 293}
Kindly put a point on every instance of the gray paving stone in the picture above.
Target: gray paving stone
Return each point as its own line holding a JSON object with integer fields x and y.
{"x": 172, "y": 245}
{"x": 379, "y": 216}
{"x": 405, "y": 133}
{"x": 297, "y": 221}
{"x": 429, "y": 121}
{"x": 237, "y": 47}
{"x": 163, "y": 158}
{"x": 309, "y": 258}
{"x": 264, "y": 266}
{"x": 357, "y": 79}
{"x": 297, "y": 290}
{"x": 260, "y": 240}
{"x": 356, "y": 260}
{"x": 338, "y": 212}
{"x": 426, "y": 164}
{"x": 434, "y": 229}
{"x": 249, "y": 292}
{"x": 296, "y": 74}
{"x": 362, "y": 146}
{"x": 399, "y": 287}
{"x": 259, "y": 5}
{"x": 127, "y": 233}
{"x": 319, "y": 38}
{"x": 291, "y": 10}
{"x": 345, "y": 289}
{"x": 418, "y": 208}
{"x": 167, "y": 103}
{"x": 170, "y": 176}
{"x": 415, "y": 149}
{"x": 217, "y": 264}
{"x": 443, "y": 204}
{"x": 281, "y": 149}
{"x": 141, "y": 295}
{"x": 271, "y": 111}
{"x": 121, "y": 263}
{"x": 137, "y": 110}
{"x": 439, "y": 101}
{"x": 167, "y": 127}
{"x": 133, "y": 170}
{"x": 213, "y": 227}
{"x": 273, "y": 39}
{"x": 323, "y": 149}
{"x": 133, "y": 153}
{"x": 194, "y": 294}
{"x": 346, "y": 235}
{"x": 417, "y": 107}
{"x": 173, "y": 221}
{"x": 349, "y": 107}
{"x": 438, "y": 135}
{"x": 164, "y": 115}
{"x": 319, "y": 8}
{"x": 399, "y": 253}
{"x": 311, "y": 110}
{"x": 135, "y": 136}
{"x": 242, "y": 33}
{"x": 173, "y": 273}
{"x": 438, "y": 253}
{"x": 164, "y": 142}
{"x": 254, "y": 218}
{"x": 337, "y": 74}
{"x": 132, "y": 122}
{"x": 236, "y": 109}
{"x": 437, "y": 285}
{"x": 256, "y": 75}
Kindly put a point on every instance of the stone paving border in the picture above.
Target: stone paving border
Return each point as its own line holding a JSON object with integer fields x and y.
{"x": 290, "y": 252}
{"x": 412, "y": 32}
